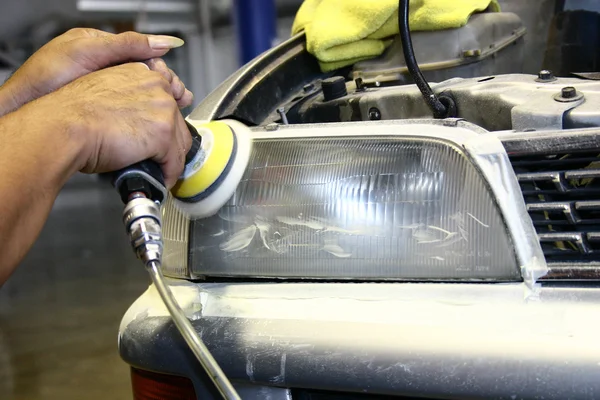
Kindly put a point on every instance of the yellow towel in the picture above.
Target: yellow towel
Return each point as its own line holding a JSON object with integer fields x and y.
{"x": 342, "y": 32}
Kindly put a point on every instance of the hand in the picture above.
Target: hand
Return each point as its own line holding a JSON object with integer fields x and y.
{"x": 182, "y": 95}
{"x": 81, "y": 51}
{"x": 119, "y": 116}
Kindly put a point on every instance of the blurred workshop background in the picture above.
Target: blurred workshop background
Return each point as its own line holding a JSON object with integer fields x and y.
{"x": 211, "y": 29}
{"x": 60, "y": 312}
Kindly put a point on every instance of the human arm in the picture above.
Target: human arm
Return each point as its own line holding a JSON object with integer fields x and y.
{"x": 102, "y": 122}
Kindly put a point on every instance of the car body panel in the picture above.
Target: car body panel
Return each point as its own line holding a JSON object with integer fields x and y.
{"x": 444, "y": 340}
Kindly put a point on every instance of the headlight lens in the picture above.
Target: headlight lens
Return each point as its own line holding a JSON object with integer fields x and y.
{"x": 357, "y": 208}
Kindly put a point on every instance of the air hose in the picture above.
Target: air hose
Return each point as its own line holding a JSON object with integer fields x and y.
{"x": 143, "y": 222}
{"x": 190, "y": 335}
{"x": 442, "y": 107}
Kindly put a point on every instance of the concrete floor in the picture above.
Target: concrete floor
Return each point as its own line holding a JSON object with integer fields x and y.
{"x": 60, "y": 312}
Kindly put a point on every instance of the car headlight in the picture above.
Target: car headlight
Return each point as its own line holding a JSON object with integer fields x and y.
{"x": 363, "y": 201}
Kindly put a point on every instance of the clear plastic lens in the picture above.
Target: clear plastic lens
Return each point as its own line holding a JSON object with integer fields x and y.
{"x": 356, "y": 208}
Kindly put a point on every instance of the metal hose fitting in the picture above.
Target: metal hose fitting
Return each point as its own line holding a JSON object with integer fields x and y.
{"x": 142, "y": 221}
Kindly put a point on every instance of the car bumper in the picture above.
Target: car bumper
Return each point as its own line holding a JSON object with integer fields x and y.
{"x": 435, "y": 340}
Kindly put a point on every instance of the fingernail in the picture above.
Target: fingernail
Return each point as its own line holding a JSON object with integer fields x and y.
{"x": 186, "y": 100}
{"x": 161, "y": 42}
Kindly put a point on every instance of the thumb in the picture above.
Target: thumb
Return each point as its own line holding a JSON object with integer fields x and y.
{"x": 106, "y": 50}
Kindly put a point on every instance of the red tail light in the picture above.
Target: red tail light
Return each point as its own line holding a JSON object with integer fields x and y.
{"x": 153, "y": 386}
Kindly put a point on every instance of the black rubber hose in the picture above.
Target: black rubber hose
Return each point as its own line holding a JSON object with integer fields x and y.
{"x": 438, "y": 109}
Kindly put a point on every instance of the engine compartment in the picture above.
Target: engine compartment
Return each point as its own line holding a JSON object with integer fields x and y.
{"x": 514, "y": 102}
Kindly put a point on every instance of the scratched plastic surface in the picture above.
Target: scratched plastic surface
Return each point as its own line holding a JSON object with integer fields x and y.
{"x": 357, "y": 208}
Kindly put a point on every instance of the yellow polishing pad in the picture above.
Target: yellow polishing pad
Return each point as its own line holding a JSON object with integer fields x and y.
{"x": 218, "y": 146}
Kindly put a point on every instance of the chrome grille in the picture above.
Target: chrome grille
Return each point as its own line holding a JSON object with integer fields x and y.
{"x": 562, "y": 193}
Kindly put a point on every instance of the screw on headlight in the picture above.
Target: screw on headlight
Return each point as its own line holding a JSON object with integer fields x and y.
{"x": 374, "y": 114}
{"x": 545, "y": 76}
{"x": 568, "y": 92}
{"x": 309, "y": 87}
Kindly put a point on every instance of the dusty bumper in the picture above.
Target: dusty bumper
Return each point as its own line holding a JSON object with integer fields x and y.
{"x": 438, "y": 340}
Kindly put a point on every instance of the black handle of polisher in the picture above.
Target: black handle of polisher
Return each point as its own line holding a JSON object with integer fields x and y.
{"x": 147, "y": 177}
{"x": 143, "y": 177}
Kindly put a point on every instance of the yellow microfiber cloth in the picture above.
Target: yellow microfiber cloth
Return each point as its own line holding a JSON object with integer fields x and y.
{"x": 342, "y": 32}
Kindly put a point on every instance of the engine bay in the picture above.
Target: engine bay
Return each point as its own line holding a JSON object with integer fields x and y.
{"x": 514, "y": 102}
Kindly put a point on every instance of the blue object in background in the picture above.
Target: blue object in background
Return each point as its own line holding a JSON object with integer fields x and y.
{"x": 255, "y": 23}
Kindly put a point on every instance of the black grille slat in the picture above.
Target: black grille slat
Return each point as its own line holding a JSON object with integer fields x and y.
{"x": 593, "y": 236}
{"x": 578, "y": 239}
{"x": 534, "y": 192}
{"x": 582, "y": 174}
{"x": 540, "y": 222}
{"x": 573, "y": 213}
{"x": 553, "y": 164}
{"x": 562, "y": 193}
{"x": 588, "y": 205}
